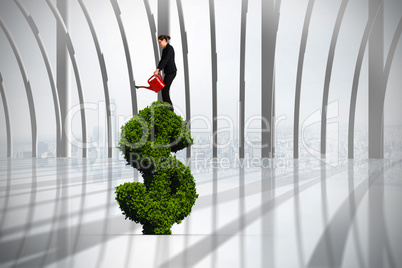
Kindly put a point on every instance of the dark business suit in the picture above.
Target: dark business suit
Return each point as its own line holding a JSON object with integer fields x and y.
{"x": 168, "y": 65}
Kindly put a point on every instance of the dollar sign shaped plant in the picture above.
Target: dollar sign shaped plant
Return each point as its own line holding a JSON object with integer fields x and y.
{"x": 168, "y": 192}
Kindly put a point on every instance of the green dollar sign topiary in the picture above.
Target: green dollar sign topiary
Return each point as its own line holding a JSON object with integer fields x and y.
{"x": 168, "y": 192}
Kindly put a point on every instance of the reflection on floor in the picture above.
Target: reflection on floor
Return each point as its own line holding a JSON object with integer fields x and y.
{"x": 62, "y": 213}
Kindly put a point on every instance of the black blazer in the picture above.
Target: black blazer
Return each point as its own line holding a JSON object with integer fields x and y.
{"x": 167, "y": 61}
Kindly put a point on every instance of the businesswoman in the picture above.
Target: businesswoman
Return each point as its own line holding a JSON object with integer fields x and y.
{"x": 168, "y": 65}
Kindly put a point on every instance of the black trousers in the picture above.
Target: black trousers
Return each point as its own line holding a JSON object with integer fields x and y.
{"x": 167, "y": 80}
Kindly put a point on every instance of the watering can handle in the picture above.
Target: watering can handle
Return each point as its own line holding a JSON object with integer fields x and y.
{"x": 152, "y": 77}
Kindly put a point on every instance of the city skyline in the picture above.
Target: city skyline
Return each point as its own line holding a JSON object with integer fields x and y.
{"x": 198, "y": 34}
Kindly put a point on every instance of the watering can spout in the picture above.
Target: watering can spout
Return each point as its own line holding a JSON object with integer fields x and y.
{"x": 143, "y": 87}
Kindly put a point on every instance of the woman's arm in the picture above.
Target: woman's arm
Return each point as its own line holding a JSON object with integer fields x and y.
{"x": 165, "y": 57}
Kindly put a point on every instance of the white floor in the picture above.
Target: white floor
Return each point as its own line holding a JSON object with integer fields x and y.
{"x": 62, "y": 213}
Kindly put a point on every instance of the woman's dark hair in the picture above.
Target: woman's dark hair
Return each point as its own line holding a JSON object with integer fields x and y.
{"x": 166, "y": 37}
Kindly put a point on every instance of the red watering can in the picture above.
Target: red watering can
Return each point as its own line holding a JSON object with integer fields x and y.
{"x": 155, "y": 83}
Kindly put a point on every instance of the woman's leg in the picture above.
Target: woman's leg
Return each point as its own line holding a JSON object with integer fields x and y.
{"x": 168, "y": 79}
